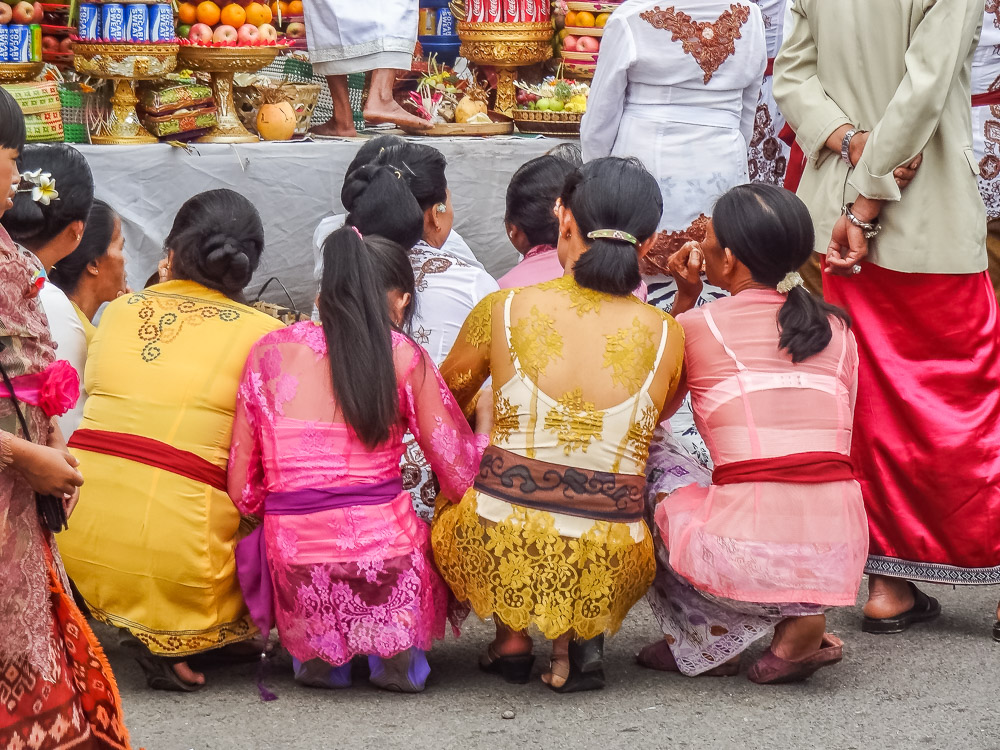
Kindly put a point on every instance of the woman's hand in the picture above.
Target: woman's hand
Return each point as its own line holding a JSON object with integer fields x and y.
{"x": 484, "y": 411}
{"x": 686, "y": 266}
{"x": 48, "y": 471}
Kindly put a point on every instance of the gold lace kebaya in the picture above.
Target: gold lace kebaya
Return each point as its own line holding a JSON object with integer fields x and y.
{"x": 579, "y": 381}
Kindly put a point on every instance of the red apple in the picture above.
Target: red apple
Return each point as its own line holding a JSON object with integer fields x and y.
{"x": 49, "y": 43}
{"x": 201, "y": 33}
{"x": 38, "y": 14}
{"x": 268, "y": 33}
{"x": 23, "y": 12}
{"x": 5, "y": 13}
{"x": 569, "y": 43}
{"x": 587, "y": 44}
{"x": 295, "y": 30}
{"x": 248, "y": 35}
{"x": 225, "y": 34}
{"x": 66, "y": 46}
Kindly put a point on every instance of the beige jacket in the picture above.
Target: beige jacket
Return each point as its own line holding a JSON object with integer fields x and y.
{"x": 901, "y": 70}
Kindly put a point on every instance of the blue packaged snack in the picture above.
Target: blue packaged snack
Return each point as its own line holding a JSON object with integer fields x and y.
{"x": 18, "y": 43}
{"x": 136, "y": 23}
{"x": 4, "y": 41}
{"x": 113, "y": 22}
{"x": 161, "y": 22}
{"x": 89, "y": 29}
{"x": 445, "y": 22}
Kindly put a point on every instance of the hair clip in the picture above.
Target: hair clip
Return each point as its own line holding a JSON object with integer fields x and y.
{"x": 43, "y": 186}
{"x": 613, "y": 234}
{"x": 790, "y": 281}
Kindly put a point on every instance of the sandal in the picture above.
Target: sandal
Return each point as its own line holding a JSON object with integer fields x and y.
{"x": 514, "y": 668}
{"x": 658, "y": 656}
{"x": 996, "y": 631}
{"x": 771, "y": 669}
{"x": 924, "y": 608}
{"x": 586, "y": 667}
{"x": 160, "y": 674}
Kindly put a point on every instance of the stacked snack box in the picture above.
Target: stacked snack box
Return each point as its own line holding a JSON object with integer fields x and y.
{"x": 234, "y": 24}
{"x": 578, "y": 41}
{"x": 21, "y": 32}
{"x": 131, "y": 23}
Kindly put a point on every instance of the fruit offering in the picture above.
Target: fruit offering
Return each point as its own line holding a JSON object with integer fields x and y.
{"x": 21, "y": 32}
{"x": 229, "y": 24}
{"x": 580, "y": 27}
{"x": 553, "y": 95}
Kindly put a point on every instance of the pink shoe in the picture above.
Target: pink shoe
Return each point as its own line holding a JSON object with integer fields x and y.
{"x": 773, "y": 670}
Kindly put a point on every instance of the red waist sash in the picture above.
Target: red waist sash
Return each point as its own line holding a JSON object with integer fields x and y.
{"x": 985, "y": 100}
{"x": 150, "y": 452}
{"x": 814, "y": 467}
{"x": 769, "y": 70}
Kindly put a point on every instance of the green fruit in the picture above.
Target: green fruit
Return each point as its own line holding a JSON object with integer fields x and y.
{"x": 542, "y": 104}
{"x": 183, "y": 31}
{"x": 555, "y": 106}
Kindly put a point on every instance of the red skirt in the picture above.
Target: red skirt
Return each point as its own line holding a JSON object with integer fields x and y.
{"x": 926, "y": 441}
{"x": 81, "y": 709}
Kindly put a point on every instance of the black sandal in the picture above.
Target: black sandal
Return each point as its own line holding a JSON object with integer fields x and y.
{"x": 159, "y": 671}
{"x": 996, "y": 631}
{"x": 924, "y": 608}
{"x": 586, "y": 666}
{"x": 514, "y": 668}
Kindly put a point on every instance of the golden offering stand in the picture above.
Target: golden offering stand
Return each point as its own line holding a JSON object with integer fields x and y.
{"x": 222, "y": 63}
{"x": 20, "y": 72}
{"x": 506, "y": 47}
{"x": 124, "y": 63}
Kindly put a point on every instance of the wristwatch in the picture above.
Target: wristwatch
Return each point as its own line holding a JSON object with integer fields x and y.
{"x": 845, "y": 146}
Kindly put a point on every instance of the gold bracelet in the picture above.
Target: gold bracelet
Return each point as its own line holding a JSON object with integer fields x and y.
{"x": 6, "y": 452}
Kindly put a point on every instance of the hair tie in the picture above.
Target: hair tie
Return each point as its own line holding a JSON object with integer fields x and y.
{"x": 357, "y": 232}
{"x": 790, "y": 281}
{"x": 613, "y": 234}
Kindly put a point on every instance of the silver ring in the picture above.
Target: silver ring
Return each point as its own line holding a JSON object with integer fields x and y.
{"x": 856, "y": 269}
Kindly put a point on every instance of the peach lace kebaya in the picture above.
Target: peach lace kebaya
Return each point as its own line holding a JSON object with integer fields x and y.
{"x": 357, "y": 579}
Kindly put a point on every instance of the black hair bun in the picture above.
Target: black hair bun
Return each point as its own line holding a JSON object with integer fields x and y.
{"x": 228, "y": 261}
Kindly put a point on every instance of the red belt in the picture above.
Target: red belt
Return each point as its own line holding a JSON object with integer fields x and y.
{"x": 985, "y": 100}
{"x": 769, "y": 70}
{"x": 799, "y": 468}
{"x": 150, "y": 452}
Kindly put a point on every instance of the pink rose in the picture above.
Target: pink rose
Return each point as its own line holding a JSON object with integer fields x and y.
{"x": 61, "y": 389}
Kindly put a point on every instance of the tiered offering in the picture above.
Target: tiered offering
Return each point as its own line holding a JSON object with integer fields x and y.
{"x": 134, "y": 23}
{"x": 20, "y": 41}
{"x": 581, "y": 27}
{"x": 57, "y": 35}
{"x": 233, "y": 24}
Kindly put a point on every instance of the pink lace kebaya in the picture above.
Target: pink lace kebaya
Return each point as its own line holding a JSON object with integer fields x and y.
{"x": 358, "y": 579}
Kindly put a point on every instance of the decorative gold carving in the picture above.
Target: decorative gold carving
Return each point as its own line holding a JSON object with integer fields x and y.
{"x": 222, "y": 63}
{"x": 16, "y": 72}
{"x": 505, "y": 46}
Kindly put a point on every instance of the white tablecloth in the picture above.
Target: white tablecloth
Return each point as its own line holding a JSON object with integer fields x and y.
{"x": 294, "y": 185}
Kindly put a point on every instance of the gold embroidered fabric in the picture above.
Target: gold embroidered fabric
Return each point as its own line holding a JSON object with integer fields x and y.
{"x": 523, "y": 572}
{"x": 579, "y": 379}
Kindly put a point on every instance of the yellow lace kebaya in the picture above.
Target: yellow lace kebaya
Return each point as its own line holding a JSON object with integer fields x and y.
{"x": 579, "y": 381}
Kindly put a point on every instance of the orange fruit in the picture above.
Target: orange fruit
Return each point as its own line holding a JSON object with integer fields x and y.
{"x": 295, "y": 8}
{"x": 571, "y": 18}
{"x": 601, "y": 20}
{"x": 208, "y": 13}
{"x": 234, "y": 15}
{"x": 258, "y": 14}
{"x": 585, "y": 19}
{"x": 187, "y": 13}
{"x": 279, "y": 5}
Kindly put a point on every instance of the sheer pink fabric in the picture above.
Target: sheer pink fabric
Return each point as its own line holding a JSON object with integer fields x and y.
{"x": 356, "y": 580}
{"x": 767, "y": 542}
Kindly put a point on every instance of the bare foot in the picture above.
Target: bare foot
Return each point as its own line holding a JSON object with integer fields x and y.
{"x": 887, "y": 597}
{"x": 380, "y": 112}
{"x": 187, "y": 674}
{"x": 797, "y": 637}
{"x": 334, "y": 130}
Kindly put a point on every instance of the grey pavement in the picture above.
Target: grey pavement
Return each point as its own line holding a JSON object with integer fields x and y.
{"x": 934, "y": 687}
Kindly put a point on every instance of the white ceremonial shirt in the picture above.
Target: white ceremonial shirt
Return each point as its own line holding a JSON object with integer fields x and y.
{"x": 986, "y": 119}
{"x": 71, "y": 345}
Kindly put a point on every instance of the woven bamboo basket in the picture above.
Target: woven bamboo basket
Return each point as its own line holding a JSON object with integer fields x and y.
{"x": 547, "y": 123}
{"x": 303, "y": 97}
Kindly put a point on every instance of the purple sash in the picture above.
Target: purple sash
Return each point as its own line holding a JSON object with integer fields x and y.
{"x": 252, "y": 567}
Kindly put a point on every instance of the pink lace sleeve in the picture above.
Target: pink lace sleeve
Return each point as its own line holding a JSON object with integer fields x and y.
{"x": 438, "y": 425}
{"x": 246, "y": 470}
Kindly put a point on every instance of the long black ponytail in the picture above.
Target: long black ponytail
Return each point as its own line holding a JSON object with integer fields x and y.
{"x": 356, "y": 325}
{"x": 769, "y": 230}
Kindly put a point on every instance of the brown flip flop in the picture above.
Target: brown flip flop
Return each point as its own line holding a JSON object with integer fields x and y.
{"x": 773, "y": 670}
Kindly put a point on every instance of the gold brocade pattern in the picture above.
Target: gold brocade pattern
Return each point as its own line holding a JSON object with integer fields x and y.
{"x": 184, "y": 642}
{"x": 629, "y": 353}
{"x": 460, "y": 381}
{"x": 479, "y": 323}
{"x": 523, "y": 573}
{"x": 640, "y": 434}
{"x": 576, "y": 422}
{"x": 506, "y": 420}
{"x": 536, "y": 342}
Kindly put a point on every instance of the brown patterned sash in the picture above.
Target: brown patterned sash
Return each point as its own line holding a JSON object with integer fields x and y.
{"x": 555, "y": 488}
